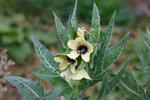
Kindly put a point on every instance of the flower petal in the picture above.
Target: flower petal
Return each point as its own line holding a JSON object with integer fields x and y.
{"x": 73, "y": 54}
{"x": 80, "y": 74}
{"x": 67, "y": 74}
{"x": 73, "y": 66}
{"x": 80, "y": 32}
{"x": 80, "y": 40}
{"x": 90, "y": 47}
{"x": 58, "y": 59}
{"x": 72, "y": 44}
{"x": 86, "y": 57}
{"x": 73, "y": 69}
{"x": 62, "y": 65}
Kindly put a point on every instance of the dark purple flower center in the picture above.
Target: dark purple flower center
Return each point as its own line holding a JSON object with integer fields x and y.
{"x": 82, "y": 49}
{"x": 69, "y": 60}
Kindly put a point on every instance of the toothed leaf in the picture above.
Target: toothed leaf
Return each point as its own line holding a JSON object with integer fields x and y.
{"x": 29, "y": 89}
{"x": 61, "y": 30}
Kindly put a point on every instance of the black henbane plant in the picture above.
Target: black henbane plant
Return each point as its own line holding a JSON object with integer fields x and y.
{"x": 128, "y": 84}
{"x": 85, "y": 61}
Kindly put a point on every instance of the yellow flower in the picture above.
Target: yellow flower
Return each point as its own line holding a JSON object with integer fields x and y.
{"x": 78, "y": 75}
{"x": 67, "y": 74}
{"x": 80, "y": 32}
{"x": 65, "y": 61}
{"x": 81, "y": 47}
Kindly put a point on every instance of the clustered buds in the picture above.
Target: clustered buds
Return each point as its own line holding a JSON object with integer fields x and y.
{"x": 68, "y": 61}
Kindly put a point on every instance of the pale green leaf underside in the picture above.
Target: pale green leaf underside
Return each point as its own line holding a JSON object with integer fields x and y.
{"x": 44, "y": 55}
{"x": 29, "y": 89}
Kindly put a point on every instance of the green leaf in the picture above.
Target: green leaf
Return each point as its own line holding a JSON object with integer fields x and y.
{"x": 113, "y": 83}
{"x": 108, "y": 87}
{"x": 53, "y": 77}
{"x": 47, "y": 74}
{"x": 108, "y": 34}
{"x": 101, "y": 48}
{"x": 58, "y": 82}
{"x": 103, "y": 89}
{"x": 148, "y": 89}
{"x": 74, "y": 21}
{"x": 55, "y": 92}
{"x": 142, "y": 94}
{"x": 82, "y": 65}
{"x": 95, "y": 26}
{"x": 144, "y": 39}
{"x": 110, "y": 27}
{"x": 113, "y": 52}
{"x": 61, "y": 30}
{"x": 72, "y": 33}
{"x": 99, "y": 58}
{"x": 129, "y": 86}
{"x": 95, "y": 80}
{"x": 44, "y": 55}
{"x": 140, "y": 55}
{"x": 52, "y": 94}
{"x": 49, "y": 70}
{"x": 29, "y": 89}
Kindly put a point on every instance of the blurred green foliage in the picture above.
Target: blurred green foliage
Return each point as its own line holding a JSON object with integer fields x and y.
{"x": 15, "y": 35}
{"x": 144, "y": 54}
{"x": 18, "y": 17}
{"x": 44, "y": 8}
